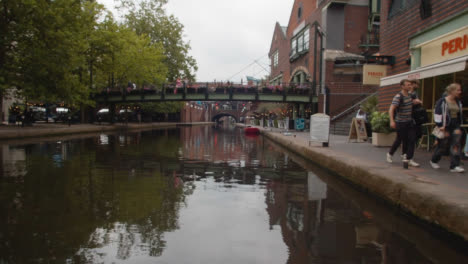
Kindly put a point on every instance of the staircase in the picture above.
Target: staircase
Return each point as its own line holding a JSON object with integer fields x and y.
{"x": 340, "y": 124}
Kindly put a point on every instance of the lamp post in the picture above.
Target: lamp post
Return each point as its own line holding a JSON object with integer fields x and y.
{"x": 319, "y": 33}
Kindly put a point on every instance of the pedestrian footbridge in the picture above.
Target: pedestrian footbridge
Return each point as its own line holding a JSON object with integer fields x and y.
{"x": 286, "y": 93}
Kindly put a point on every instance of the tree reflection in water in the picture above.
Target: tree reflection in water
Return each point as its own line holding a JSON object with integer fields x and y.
{"x": 140, "y": 197}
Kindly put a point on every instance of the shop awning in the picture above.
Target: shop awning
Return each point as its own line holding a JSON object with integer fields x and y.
{"x": 446, "y": 67}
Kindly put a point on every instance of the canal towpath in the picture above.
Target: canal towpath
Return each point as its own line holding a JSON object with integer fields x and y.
{"x": 438, "y": 197}
{"x": 37, "y": 130}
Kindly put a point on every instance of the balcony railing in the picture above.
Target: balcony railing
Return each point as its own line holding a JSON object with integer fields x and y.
{"x": 371, "y": 38}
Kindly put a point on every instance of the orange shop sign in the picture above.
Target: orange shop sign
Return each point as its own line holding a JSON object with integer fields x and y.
{"x": 447, "y": 47}
{"x": 455, "y": 45}
{"x": 373, "y": 73}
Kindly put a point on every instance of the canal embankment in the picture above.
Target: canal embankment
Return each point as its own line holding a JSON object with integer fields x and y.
{"x": 437, "y": 197}
{"x": 40, "y": 130}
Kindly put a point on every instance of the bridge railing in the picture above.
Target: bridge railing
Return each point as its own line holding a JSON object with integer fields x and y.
{"x": 217, "y": 88}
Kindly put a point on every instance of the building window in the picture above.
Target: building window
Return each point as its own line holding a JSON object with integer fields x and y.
{"x": 425, "y": 9}
{"x": 275, "y": 59}
{"x": 306, "y": 39}
{"x": 300, "y": 43}
{"x": 397, "y": 7}
{"x": 299, "y": 11}
{"x": 293, "y": 47}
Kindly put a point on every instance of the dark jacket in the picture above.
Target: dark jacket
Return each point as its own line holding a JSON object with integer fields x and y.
{"x": 441, "y": 109}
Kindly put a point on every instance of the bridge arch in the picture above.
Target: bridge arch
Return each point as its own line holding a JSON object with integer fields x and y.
{"x": 218, "y": 116}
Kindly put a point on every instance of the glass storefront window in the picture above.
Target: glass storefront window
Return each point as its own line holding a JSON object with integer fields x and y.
{"x": 462, "y": 79}
{"x": 434, "y": 88}
{"x": 427, "y": 93}
{"x": 441, "y": 83}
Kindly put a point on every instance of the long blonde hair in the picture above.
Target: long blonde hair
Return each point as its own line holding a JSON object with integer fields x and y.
{"x": 452, "y": 87}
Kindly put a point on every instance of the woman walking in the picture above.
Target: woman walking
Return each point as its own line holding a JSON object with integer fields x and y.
{"x": 448, "y": 117}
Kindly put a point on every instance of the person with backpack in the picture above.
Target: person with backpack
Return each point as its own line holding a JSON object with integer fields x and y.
{"x": 448, "y": 116}
{"x": 419, "y": 118}
{"x": 401, "y": 119}
{"x": 420, "y": 115}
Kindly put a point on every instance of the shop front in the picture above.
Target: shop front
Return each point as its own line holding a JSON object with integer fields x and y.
{"x": 439, "y": 57}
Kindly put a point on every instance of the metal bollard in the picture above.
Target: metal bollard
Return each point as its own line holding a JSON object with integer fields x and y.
{"x": 405, "y": 164}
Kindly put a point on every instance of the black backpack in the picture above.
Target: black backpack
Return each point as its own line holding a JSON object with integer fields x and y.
{"x": 419, "y": 113}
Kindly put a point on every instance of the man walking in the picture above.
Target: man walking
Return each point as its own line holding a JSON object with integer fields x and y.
{"x": 401, "y": 119}
{"x": 418, "y": 129}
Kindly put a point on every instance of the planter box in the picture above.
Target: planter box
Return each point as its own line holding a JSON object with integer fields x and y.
{"x": 382, "y": 139}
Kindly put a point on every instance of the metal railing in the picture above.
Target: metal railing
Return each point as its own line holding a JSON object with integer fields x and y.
{"x": 216, "y": 88}
{"x": 371, "y": 38}
{"x": 351, "y": 108}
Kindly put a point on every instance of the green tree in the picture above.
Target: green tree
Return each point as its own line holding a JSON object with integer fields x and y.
{"x": 49, "y": 62}
{"x": 149, "y": 18}
{"x": 120, "y": 56}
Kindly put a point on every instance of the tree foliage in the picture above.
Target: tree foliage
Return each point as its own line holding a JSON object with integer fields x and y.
{"x": 166, "y": 107}
{"x": 148, "y": 17}
{"x": 120, "y": 56}
{"x": 65, "y": 50}
{"x": 44, "y": 46}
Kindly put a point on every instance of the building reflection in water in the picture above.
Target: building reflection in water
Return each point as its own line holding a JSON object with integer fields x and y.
{"x": 119, "y": 198}
{"x": 13, "y": 161}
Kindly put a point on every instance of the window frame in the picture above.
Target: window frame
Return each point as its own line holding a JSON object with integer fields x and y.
{"x": 300, "y": 42}
{"x": 276, "y": 59}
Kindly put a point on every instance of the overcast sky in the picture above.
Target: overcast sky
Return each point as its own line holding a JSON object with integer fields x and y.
{"x": 226, "y": 36}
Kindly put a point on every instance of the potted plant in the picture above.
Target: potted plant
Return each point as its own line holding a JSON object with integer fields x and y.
{"x": 382, "y": 134}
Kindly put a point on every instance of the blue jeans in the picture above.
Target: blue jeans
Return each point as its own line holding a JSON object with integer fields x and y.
{"x": 451, "y": 142}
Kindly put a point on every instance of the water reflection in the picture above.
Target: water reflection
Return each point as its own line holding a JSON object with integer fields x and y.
{"x": 193, "y": 195}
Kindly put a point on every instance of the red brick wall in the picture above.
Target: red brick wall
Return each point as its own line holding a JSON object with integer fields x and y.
{"x": 281, "y": 43}
{"x": 356, "y": 18}
{"x": 310, "y": 14}
{"x": 355, "y": 26}
{"x": 191, "y": 114}
{"x": 397, "y": 31}
{"x": 308, "y": 8}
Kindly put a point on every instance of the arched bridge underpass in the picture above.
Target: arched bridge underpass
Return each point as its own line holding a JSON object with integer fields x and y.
{"x": 284, "y": 94}
{"x": 218, "y": 114}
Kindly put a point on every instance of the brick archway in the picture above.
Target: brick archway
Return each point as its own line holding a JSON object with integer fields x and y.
{"x": 223, "y": 114}
{"x": 299, "y": 69}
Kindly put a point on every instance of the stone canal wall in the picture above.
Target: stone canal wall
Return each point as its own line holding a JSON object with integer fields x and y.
{"x": 439, "y": 205}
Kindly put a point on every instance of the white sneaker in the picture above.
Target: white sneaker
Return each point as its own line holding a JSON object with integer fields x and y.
{"x": 434, "y": 165}
{"x": 389, "y": 158}
{"x": 457, "y": 169}
{"x": 403, "y": 157}
{"x": 412, "y": 163}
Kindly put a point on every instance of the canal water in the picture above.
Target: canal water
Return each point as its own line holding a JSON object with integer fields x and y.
{"x": 192, "y": 195}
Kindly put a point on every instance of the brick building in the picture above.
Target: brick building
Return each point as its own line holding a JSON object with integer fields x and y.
{"x": 346, "y": 27}
{"x": 195, "y": 112}
{"x": 279, "y": 54}
{"x": 429, "y": 42}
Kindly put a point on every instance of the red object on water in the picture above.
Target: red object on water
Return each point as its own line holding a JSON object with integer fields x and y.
{"x": 252, "y": 131}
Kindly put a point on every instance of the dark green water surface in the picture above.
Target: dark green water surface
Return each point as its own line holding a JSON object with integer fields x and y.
{"x": 192, "y": 195}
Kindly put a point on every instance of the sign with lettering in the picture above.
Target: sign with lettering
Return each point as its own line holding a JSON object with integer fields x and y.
{"x": 319, "y": 128}
{"x": 450, "y": 46}
{"x": 371, "y": 73}
{"x": 358, "y": 130}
